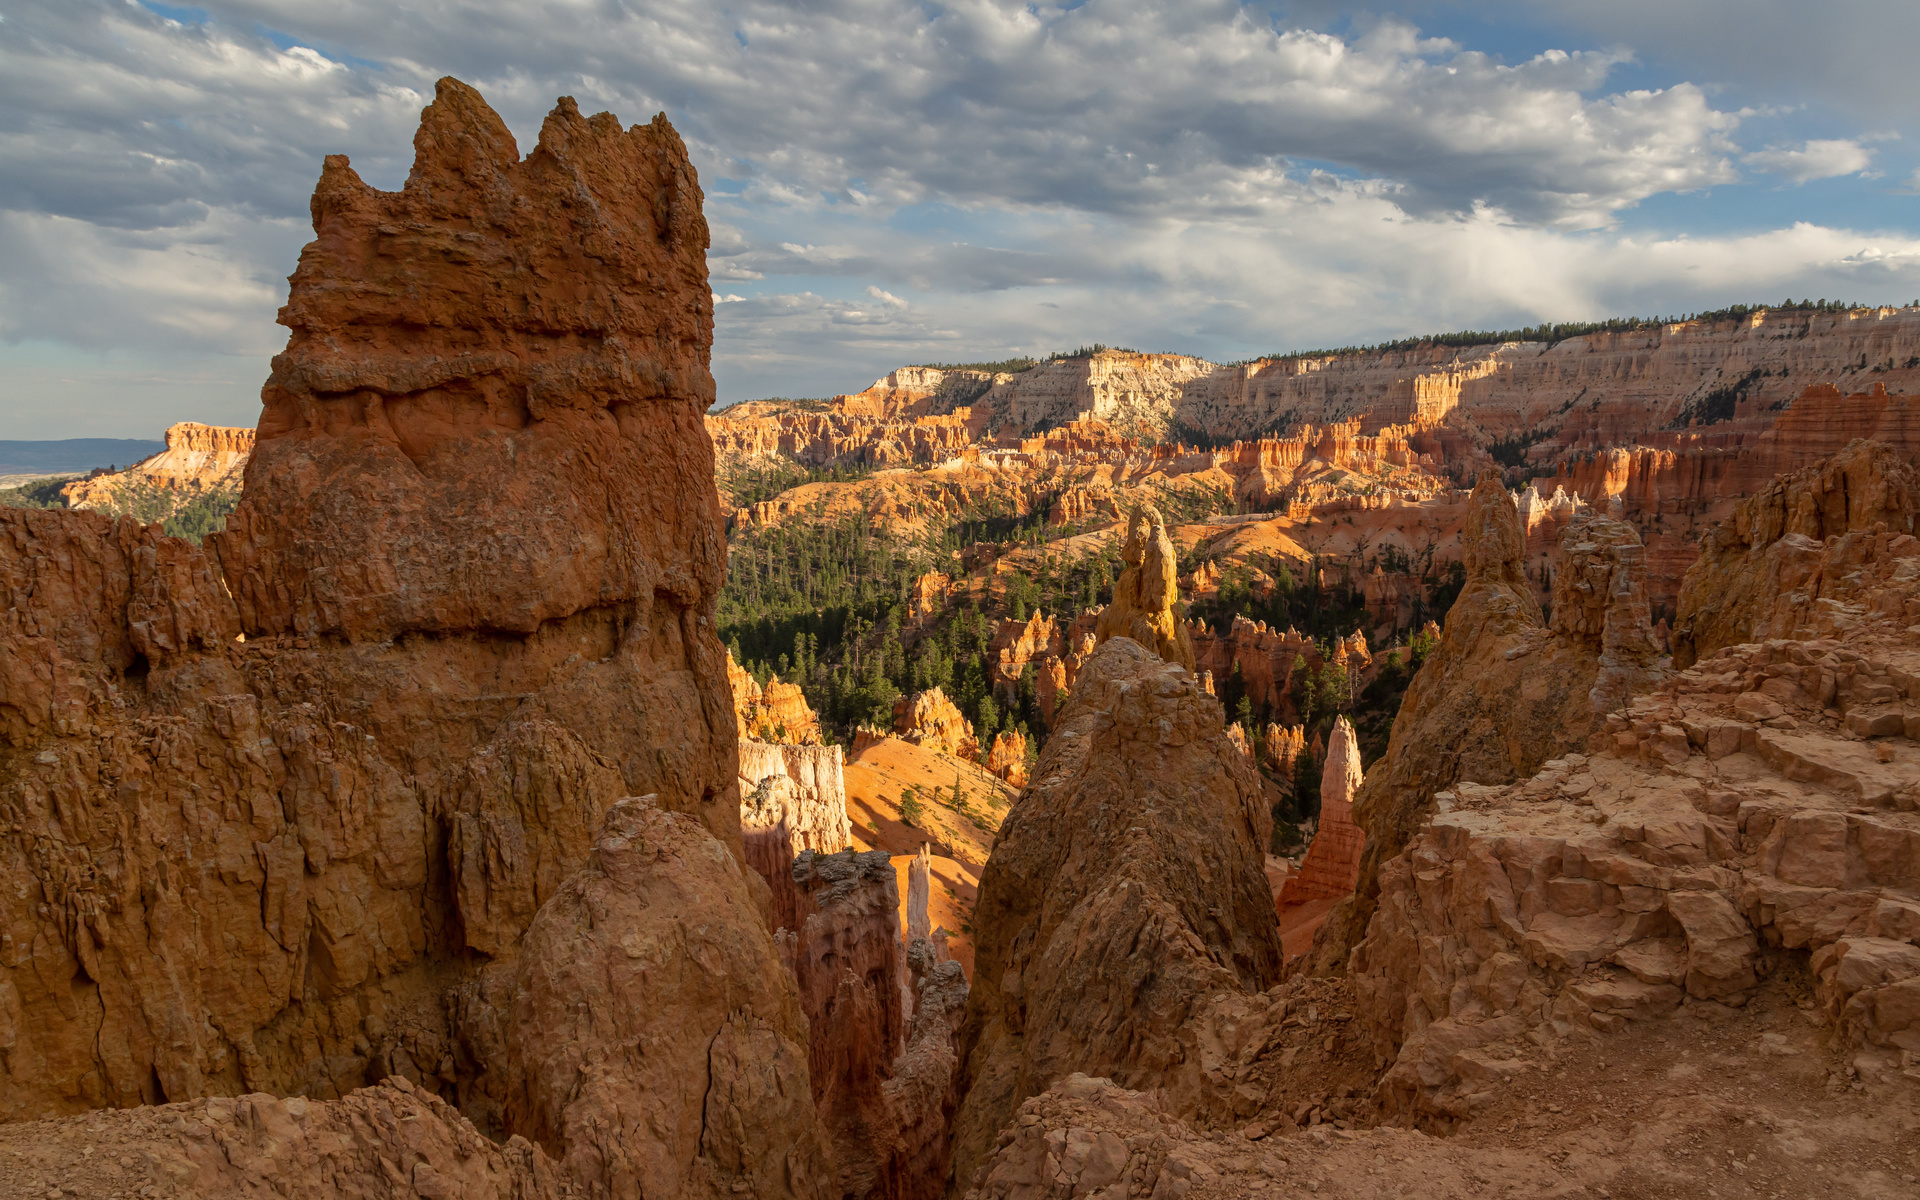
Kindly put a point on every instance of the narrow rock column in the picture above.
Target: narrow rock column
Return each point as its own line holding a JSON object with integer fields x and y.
{"x": 1332, "y": 865}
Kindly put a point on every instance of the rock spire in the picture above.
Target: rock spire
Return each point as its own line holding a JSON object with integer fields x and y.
{"x": 1146, "y": 596}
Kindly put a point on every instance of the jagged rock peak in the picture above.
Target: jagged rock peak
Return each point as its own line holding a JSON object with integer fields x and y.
{"x": 1127, "y": 888}
{"x": 498, "y": 331}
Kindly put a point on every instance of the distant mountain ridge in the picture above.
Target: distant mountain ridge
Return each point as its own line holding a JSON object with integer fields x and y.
{"x": 74, "y": 455}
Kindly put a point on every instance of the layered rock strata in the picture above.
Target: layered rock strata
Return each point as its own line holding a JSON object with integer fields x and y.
{"x": 1753, "y": 582}
{"x": 198, "y": 458}
{"x": 1125, "y": 889}
{"x": 793, "y": 799}
{"x": 475, "y": 568}
{"x": 1759, "y": 813}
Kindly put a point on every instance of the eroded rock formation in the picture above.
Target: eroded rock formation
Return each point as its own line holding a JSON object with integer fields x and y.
{"x": 1008, "y": 757}
{"x": 197, "y": 459}
{"x": 1332, "y": 866}
{"x": 391, "y": 1140}
{"x": 1754, "y": 579}
{"x": 793, "y": 799}
{"x": 1126, "y": 888}
{"x": 1764, "y": 805}
{"x": 930, "y": 719}
{"x": 475, "y": 568}
{"x": 778, "y": 712}
{"x": 650, "y": 1037}
{"x": 1504, "y": 692}
{"x": 1146, "y": 596}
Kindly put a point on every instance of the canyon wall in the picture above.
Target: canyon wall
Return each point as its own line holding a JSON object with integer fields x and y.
{"x": 265, "y": 806}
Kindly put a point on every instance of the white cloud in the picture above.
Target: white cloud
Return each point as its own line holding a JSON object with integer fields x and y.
{"x": 1183, "y": 176}
{"x": 1818, "y": 159}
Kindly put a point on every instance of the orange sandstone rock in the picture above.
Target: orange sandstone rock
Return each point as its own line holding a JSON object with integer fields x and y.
{"x": 1127, "y": 889}
{"x": 778, "y": 712}
{"x": 198, "y": 458}
{"x": 1145, "y": 595}
{"x": 929, "y": 719}
{"x": 475, "y": 567}
{"x": 650, "y": 1037}
{"x": 1332, "y": 866}
{"x": 1008, "y": 757}
{"x": 1754, "y": 580}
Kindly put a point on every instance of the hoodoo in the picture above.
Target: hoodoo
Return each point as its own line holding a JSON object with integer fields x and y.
{"x": 475, "y": 570}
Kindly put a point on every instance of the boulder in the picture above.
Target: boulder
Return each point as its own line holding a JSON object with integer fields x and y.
{"x": 650, "y": 1038}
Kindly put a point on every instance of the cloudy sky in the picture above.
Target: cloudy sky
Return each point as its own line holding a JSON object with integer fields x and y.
{"x": 891, "y": 181}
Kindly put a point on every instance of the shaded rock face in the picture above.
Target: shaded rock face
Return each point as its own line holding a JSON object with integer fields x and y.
{"x": 1759, "y": 575}
{"x": 1126, "y": 888}
{"x": 849, "y": 961}
{"x": 1145, "y": 595}
{"x": 475, "y": 568}
{"x": 650, "y": 1038}
{"x": 378, "y": 1142}
{"x": 883, "y": 1014}
{"x": 1503, "y": 693}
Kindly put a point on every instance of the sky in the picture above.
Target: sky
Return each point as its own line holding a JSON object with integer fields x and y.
{"x": 893, "y": 182}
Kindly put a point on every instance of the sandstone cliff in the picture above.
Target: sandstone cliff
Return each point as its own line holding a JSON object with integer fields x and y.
{"x": 1126, "y": 888}
{"x": 475, "y": 569}
{"x": 197, "y": 459}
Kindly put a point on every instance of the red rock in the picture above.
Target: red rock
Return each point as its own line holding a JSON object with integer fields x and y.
{"x": 475, "y": 567}
{"x": 1332, "y": 866}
